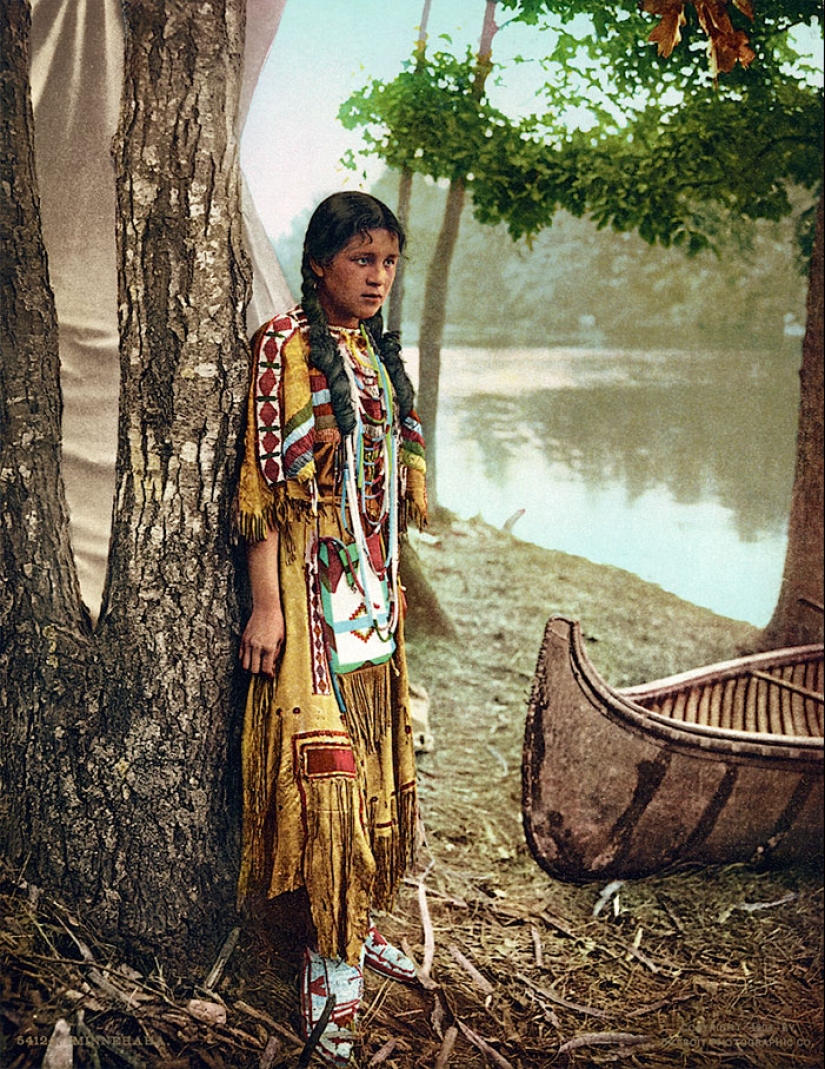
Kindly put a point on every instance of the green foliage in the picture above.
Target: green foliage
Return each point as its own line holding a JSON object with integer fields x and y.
{"x": 581, "y": 286}
{"x": 615, "y": 33}
{"x": 656, "y": 141}
{"x": 428, "y": 118}
{"x": 659, "y": 175}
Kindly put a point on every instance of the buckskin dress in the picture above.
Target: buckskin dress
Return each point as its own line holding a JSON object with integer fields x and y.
{"x": 329, "y": 793}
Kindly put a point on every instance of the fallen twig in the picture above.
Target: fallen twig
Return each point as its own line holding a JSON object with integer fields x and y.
{"x": 481, "y": 982}
{"x": 589, "y": 1011}
{"x": 639, "y": 955}
{"x": 483, "y": 1045}
{"x": 264, "y": 1018}
{"x": 603, "y": 1039}
{"x": 660, "y": 1005}
{"x": 381, "y": 1055}
{"x": 271, "y": 1051}
{"x": 609, "y": 892}
{"x": 560, "y": 926}
{"x": 752, "y": 907}
{"x": 223, "y": 957}
{"x": 459, "y": 903}
{"x": 429, "y": 936}
{"x": 538, "y": 950}
{"x": 545, "y": 1009}
{"x": 446, "y": 1049}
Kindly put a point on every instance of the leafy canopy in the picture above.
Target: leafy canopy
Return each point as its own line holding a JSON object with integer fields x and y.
{"x": 631, "y": 125}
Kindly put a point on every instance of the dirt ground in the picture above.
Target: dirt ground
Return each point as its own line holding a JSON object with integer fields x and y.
{"x": 700, "y": 968}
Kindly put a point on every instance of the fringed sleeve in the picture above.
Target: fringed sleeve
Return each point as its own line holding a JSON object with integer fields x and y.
{"x": 255, "y": 509}
{"x": 277, "y": 486}
{"x": 414, "y": 471}
{"x": 277, "y": 480}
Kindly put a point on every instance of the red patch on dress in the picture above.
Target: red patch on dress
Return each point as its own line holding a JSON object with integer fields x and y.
{"x": 327, "y": 760}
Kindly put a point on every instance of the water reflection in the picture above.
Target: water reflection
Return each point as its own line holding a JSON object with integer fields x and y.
{"x": 627, "y": 458}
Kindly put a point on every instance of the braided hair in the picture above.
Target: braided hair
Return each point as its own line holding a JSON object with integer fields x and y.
{"x": 334, "y": 223}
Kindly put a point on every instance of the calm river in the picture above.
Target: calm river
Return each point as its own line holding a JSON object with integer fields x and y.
{"x": 677, "y": 466}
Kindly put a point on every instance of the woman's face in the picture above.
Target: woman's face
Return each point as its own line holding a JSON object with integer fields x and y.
{"x": 358, "y": 279}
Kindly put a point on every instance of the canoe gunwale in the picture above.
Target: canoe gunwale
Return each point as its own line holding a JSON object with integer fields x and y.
{"x": 613, "y": 790}
{"x": 620, "y": 707}
{"x": 721, "y": 671}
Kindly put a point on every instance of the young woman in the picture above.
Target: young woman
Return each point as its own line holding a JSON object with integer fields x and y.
{"x": 332, "y": 472}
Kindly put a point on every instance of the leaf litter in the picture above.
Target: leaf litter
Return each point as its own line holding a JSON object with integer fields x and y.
{"x": 711, "y": 967}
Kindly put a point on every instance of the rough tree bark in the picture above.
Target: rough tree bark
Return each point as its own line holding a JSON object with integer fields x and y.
{"x": 42, "y": 633}
{"x": 118, "y": 794}
{"x": 797, "y": 618}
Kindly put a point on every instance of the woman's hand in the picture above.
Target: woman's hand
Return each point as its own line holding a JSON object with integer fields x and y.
{"x": 262, "y": 641}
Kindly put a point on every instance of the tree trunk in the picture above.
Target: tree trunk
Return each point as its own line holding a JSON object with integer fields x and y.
{"x": 397, "y": 292}
{"x": 405, "y": 191}
{"x": 117, "y": 742}
{"x": 797, "y": 618}
{"x": 431, "y": 334}
{"x": 42, "y": 632}
{"x": 425, "y": 619}
{"x": 434, "y": 315}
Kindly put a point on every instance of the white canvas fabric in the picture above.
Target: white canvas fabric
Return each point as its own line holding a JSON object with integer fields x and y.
{"x": 76, "y": 76}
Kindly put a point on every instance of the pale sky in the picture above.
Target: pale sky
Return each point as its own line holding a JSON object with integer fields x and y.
{"x": 293, "y": 142}
{"x": 323, "y": 51}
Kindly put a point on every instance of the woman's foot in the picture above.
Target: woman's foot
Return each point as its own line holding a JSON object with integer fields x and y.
{"x": 320, "y": 978}
{"x": 387, "y": 960}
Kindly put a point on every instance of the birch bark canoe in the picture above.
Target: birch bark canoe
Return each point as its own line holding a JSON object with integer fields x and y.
{"x": 717, "y": 765}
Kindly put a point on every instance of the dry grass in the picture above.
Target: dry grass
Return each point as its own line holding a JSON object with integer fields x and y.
{"x": 703, "y": 967}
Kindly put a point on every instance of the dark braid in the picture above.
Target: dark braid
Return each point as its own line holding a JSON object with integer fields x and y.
{"x": 389, "y": 348}
{"x": 326, "y": 355}
{"x": 334, "y": 223}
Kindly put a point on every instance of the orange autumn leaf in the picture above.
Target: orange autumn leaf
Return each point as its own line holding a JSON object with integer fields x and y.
{"x": 726, "y": 45}
{"x": 668, "y": 33}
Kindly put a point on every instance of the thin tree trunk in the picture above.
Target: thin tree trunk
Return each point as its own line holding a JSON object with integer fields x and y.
{"x": 43, "y": 636}
{"x": 394, "y": 316}
{"x": 797, "y": 618}
{"x": 117, "y": 744}
{"x": 434, "y": 315}
{"x": 397, "y": 294}
{"x": 431, "y": 335}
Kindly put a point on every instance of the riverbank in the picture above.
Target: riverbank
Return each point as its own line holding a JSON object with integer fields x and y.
{"x": 706, "y": 967}
{"x": 719, "y": 968}
{"x": 499, "y": 592}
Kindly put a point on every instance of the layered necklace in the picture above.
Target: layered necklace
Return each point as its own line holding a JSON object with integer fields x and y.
{"x": 370, "y": 490}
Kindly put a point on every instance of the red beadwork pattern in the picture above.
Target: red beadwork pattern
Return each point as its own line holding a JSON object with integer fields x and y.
{"x": 321, "y": 682}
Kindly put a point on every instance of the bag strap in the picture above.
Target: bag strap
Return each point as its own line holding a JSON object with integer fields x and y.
{"x": 370, "y": 583}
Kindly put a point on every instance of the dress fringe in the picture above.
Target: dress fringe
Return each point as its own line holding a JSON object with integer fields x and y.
{"x": 393, "y": 850}
{"x": 367, "y": 700}
{"x": 338, "y": 868}
{"x": 279, "y": 514}
{"x": 256, "y": 742}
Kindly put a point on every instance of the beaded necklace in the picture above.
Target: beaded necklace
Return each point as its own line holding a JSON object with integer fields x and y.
{"x": 363, "y": 453}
